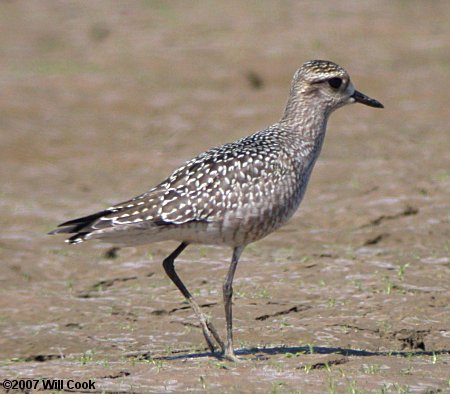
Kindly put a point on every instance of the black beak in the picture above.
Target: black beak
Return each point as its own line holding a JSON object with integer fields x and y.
{"x": 363, "y": 99}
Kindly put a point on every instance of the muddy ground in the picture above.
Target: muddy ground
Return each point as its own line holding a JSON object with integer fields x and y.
{"x": 101, "y": 100}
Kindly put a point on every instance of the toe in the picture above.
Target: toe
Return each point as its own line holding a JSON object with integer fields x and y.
{"x": 230, "y": 356}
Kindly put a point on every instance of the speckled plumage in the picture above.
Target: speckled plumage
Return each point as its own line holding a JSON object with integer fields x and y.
{"x": 236, "y": 193}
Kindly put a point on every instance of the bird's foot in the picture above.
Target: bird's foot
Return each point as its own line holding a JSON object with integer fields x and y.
{"x": 230, "y": 356}
{"x": 212, "y": 338}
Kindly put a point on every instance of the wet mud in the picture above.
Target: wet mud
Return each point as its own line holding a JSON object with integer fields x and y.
{"x": 101, "y": 100}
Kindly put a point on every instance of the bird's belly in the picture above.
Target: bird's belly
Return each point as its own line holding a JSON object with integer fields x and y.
{"x": 241, "y": 226}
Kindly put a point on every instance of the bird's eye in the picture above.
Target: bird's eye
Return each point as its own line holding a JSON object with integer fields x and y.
{"x": 335, "y": 83}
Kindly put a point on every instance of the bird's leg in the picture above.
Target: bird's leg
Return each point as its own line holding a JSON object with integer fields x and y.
{"x": 208, "y": 329}
{"x": 227, "y": 298}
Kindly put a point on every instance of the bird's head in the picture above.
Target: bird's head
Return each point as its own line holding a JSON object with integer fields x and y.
{"x": 326, "y": 85}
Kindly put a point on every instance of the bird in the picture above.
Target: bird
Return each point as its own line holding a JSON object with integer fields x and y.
{"x": 233, "y": 194}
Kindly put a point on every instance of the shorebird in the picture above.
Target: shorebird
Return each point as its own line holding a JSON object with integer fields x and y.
{"x": 234, "y": 194}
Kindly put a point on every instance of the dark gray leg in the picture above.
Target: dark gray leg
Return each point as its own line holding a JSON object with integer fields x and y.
{"x": 208, "y": 329}
{"x": 227, "y": 298}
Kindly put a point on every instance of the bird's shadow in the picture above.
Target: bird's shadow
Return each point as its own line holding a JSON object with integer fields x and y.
{"x": 264, "y": 352}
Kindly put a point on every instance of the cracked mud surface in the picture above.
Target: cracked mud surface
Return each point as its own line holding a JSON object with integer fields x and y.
{"x": 102, "y": 103}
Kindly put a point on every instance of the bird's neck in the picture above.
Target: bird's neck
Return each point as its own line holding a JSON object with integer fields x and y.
{"x": 305, "y": 119}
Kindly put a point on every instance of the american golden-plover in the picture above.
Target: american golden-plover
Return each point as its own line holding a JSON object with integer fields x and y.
{"x": 234, "y": 194}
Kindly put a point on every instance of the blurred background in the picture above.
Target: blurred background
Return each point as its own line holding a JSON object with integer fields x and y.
{"x": 110, "y": 96}
{"x": 100, "y": 100}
